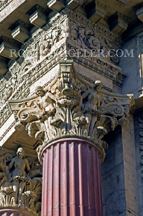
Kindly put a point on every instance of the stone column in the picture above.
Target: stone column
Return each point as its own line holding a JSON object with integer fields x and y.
{"x": 71, "y": 179}
{"x": 70, "y": 119}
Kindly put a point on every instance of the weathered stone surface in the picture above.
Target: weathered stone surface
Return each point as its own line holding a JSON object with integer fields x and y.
{"x": 120, "y": 197}
{"x": 129, "y": 162}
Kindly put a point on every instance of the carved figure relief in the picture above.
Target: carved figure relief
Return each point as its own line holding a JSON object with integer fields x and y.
{"x": 50, "y": 39}
{"x": 20, "y": 183}
{"x": 18, "y": 176}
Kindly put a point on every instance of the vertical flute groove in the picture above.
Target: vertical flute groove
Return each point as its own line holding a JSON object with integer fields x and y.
{"x": 99, "y": 185}
{"x": 58, "y": 174}
{"x": 95, "y": 183}
{"x": 59, "y": 178}
{"x": 52, "y": 148}
{"x": 73, "y": 158}
{"x": 66, "y": 172}
{"x": 72, "y": 179}
{"x": 90, "y": 175}
{"x": 80, "y": 181}
{"x": 45, "y": 181}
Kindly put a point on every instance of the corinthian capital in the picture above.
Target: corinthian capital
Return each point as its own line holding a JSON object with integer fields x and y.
{"x": 71, "y": 107}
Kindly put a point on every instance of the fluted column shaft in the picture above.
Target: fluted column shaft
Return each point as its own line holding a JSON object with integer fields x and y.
{"x": 71, "y": 179}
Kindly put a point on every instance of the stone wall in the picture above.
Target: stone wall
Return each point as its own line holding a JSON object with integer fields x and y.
{"x": 119, "y": 176}
{"x": 113, "y": 188}
{"x": 139, "y": 152}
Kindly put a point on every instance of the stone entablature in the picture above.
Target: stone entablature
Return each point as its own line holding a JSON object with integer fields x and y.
{"x": 71, "y": 107}
{"x": 20, "y": 183}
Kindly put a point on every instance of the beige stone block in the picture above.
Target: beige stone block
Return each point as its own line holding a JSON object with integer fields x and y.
{"x": 117, "y": 24}
{"x": 56, "y": 5}
{"x": 20, "y": 33}
{"x": 9, "y": 48}
{"x": 38, "y": 17}
{"x": 72, "y": 4}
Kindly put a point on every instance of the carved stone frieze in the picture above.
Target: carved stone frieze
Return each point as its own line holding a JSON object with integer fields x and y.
{"x": 20, "y": 182}
{"x": 90, "y": 38}
{"x": 99, "y": 29}
{"x": 71, "y": 107}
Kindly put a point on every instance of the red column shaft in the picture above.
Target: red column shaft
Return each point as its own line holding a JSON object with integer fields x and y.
{"x": 71, "y": 179}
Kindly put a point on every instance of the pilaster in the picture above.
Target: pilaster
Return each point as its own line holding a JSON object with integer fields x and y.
{"x": 130, "y": 166}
